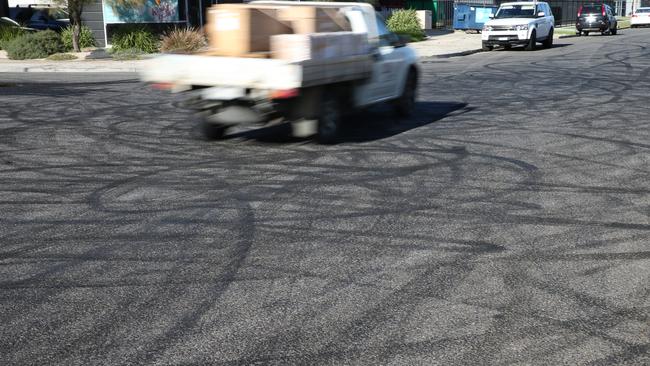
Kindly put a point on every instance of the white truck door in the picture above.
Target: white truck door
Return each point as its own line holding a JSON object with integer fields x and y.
{"x": 383, "y": 84}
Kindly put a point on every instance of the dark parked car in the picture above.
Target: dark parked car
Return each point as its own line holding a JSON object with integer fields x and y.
{"x": 41, "y": 18}
{"x": 12, "y": 24}
{"x": 54, "y": 19}
{"x": 596, "y": 18}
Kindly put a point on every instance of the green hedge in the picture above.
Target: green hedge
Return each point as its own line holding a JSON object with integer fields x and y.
{"x": 8, "y": 33}
{"x": 34, "y": 45}
{"x": 86, "y": 38}
{"x": 135, "y": 37}
{"x": 406, "y": 22}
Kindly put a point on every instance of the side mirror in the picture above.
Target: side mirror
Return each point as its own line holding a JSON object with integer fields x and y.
{"x": 541, "y": 14}
{"x": 400, "y": 40}
{"x": 491, "y": 16}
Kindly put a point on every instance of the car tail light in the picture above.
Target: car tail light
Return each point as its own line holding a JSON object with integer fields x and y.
{"x": 284, "y": 94}
{"x": 580, "y": 11}
{"x": 162, "y": 86}
{"x": 603, "y": 9}
{"x": 634, "y": 15}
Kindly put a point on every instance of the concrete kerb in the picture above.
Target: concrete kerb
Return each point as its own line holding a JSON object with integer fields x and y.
{"x": 87, "y": 67}
{"x": 456, "y": 54}
{"x": 104, "y": 66}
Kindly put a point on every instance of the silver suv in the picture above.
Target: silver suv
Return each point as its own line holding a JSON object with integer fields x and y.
{"x": 519, "y": 23}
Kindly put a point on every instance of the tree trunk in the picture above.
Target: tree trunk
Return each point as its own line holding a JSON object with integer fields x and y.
{"x": 75, "y": 8}
{"x": 76, "y": 31}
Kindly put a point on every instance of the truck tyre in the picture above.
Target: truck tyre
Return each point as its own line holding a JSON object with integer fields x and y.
{"x": 329, "y": 119}
{"x": 213, "y": 131}
{"x": 486, "y": 47}
{"x": 405, "y": 104}
{"x": 614, "y": 30}
{"x": 532, "y": 42}
{"x": 548, "y": 42}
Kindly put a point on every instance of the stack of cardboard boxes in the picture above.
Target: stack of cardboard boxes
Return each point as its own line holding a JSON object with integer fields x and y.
{"x": 292, "y": 33}
{"x": 318, "y": 46}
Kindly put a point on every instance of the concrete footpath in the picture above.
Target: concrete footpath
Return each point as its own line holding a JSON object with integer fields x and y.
{"x": 448, "y": 43}
{"x": 440, "y": 43}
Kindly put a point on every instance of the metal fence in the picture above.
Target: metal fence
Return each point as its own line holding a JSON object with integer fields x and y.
{"x": 565, "y": 11}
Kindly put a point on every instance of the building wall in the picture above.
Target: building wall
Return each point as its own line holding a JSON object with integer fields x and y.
{"x": 93, "y": 18}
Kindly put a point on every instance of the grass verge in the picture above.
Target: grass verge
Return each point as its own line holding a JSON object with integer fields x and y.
{"x": 61, "y": 57}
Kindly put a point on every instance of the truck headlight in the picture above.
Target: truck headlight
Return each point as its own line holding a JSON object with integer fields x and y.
{"x": 521, "y": 27}
{"x": 487, "y": 28}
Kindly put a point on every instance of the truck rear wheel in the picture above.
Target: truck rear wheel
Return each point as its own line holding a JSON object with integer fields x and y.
{"x": 329, "y": 119}
{"x": 213, "y": 131}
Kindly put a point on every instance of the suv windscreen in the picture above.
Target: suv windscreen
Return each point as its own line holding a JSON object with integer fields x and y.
{"x": 516, "y": 11}
{"x": 592, "y": 9}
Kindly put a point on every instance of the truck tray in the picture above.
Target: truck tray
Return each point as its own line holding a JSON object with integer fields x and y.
{"x": 257, "y": 73}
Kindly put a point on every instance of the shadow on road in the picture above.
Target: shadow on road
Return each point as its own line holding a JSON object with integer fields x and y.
{"x": 368, "y": 125}
{"x": 537, "y": 49}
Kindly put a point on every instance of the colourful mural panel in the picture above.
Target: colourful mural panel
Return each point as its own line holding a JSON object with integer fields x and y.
{"x": 140, "y": 11}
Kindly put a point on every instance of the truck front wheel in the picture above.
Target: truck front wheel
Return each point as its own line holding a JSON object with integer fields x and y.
{"x": 405, "y": 104}
{"x": 329, "y": 119}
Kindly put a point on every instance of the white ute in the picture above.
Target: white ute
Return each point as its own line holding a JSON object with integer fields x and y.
{"x": 312, "y": 95}
{"x": 519, "y": 23}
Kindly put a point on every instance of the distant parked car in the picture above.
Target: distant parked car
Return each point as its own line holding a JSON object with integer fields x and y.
{"x": 640, "y": 18}
{"x": 596, "y": 18}
{"x": 10, "y": 23}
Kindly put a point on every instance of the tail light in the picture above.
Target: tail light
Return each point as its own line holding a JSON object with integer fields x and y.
{"x": 580, "y": 11}
{"x": 634, "y": 15}
{"x": 162, "y": 86}
{"x": 603, "y": 8}
{"x": 284, "y": 94}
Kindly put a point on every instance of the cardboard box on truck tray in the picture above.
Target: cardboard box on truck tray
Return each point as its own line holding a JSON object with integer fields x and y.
{"x": 318, "y": 46}
{"x": 314, "y": 19}
{"x": 240, "y": 29}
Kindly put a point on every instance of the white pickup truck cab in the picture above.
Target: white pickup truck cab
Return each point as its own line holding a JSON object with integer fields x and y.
{"x": 312, "y": 95}
{"x": 522, "y": 23}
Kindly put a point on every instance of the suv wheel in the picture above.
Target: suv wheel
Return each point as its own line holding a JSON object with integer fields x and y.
{"x": 532, "y": 42}
{"x": 548, "y": 43}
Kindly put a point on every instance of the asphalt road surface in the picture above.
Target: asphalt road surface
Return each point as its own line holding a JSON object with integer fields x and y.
{"x": 508, "y": 222}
